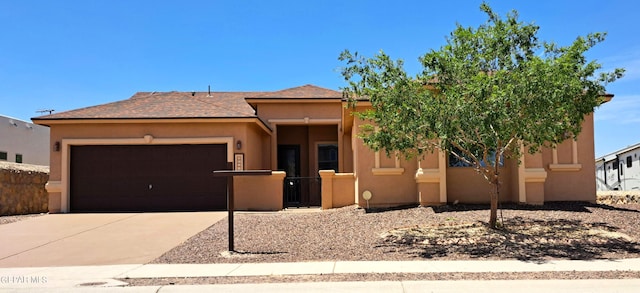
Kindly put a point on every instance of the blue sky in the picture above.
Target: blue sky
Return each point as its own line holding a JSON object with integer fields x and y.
{"x": 66, "y": 55}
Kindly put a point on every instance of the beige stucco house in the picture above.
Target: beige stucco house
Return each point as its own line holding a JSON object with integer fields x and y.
{"x": 156, "y": 152}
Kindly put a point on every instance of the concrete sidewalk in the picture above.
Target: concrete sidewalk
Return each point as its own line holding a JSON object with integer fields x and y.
{"x": 99, "y": 277}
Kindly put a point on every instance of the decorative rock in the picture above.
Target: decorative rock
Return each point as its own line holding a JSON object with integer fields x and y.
{"x": 618, "y": 197}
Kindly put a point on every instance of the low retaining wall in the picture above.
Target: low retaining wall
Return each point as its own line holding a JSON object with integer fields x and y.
{"x": 22, "y": 189}
{"x": 337, "y": 189}
{"x": 258, "y": 193}
{"x": 618, "y": 197}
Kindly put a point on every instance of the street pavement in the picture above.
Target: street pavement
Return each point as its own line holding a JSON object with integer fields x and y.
{"x": 502, "y": 286}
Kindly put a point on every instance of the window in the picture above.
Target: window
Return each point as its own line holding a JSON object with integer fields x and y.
{"x": 328, "y": 157}
{"x": 455, "y": 162}
{"x": 18, "y": 158}
{"x": 629, "y": 162}
{"x": 621, "y": 168}
{"x": 3, "y": 156}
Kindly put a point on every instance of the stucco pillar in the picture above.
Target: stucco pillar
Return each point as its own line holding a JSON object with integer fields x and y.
{"x": 340, "y": 149}
{"x": 354, "y": 147}
{"x": 432, "y": 183}
{"x": 274, "y": 147}
{"x": 54, "y": 189}
{"x": 326, "y": 177}
{"x": 531, "y": 178}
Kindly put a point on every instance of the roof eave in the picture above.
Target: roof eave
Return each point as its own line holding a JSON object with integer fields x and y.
{"x": 85, "y": 120}
{"x": 606, "y": 98}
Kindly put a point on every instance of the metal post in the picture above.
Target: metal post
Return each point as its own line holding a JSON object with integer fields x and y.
{"x": 230, "y": 208}
{"x": 230, "y": 199}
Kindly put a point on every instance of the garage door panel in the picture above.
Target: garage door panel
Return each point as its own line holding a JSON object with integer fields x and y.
{"x": 147, "y": 178}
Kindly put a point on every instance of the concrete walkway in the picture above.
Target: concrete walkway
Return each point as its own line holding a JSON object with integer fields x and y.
{"x": 97, "y": 239}
{"x": 103, "y": 278}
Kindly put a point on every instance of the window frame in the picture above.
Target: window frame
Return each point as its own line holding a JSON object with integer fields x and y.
{"x": 337, "y": 155}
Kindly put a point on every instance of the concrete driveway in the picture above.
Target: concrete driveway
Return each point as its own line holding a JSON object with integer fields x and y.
{"x": 98, "y": 239}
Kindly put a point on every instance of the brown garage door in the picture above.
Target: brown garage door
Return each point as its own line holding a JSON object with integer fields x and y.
{"x": 147, "y": 178}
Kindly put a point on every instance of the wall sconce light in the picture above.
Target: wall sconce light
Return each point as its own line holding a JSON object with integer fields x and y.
{"x": 56, "y": 146}
{"x": 238, "y": 144}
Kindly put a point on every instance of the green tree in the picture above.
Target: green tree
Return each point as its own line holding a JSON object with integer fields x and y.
{"x": 480, "y": 96}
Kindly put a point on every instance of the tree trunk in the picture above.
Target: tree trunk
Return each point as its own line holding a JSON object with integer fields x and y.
{"x": 495, "y": 196}
{"x": 493, "y": 217}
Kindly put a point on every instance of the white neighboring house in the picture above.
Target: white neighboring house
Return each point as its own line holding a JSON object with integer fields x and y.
{"x": 619, "y": 170}
{"x": 23, "y": 142}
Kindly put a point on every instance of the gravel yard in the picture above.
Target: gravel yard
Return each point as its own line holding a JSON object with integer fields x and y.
{"x": 532, "y": 233}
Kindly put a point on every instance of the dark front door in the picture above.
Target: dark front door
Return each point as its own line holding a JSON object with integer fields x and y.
{"x": 289, "y": 162}
{"x": 147, "y": 178}
{"x": 289, "y": 159}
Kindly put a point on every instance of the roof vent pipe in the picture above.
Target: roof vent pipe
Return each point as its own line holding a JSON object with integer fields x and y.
{"x": 209, "y": 91}
{"x": 193, "y": 93}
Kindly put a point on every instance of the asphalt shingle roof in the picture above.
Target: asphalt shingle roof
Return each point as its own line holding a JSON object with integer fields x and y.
{"x": 188, "y": 105}
{"x": 302, "y": 92}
